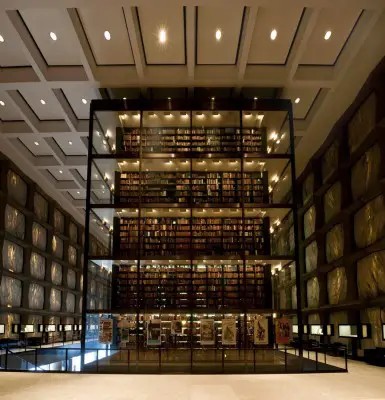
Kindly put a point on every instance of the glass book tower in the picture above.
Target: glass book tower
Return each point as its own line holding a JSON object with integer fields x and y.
{"x": 191, "y": 196}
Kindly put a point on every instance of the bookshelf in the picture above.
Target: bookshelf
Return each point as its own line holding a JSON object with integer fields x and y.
{"x": 192, "y": 201}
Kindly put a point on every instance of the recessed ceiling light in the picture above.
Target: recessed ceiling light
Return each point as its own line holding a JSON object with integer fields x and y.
{"x": 84, "y": 101}
{"x": 107, "y": 35}
{"x": 162, "y": 36}
{"x": 297, "y": 100}
{"x": 2, "y": 103}
{"x": 36, "y": 143}
{"x": 60, "y": 171}
{"x": 70, "y": 143}
{"x": 78, "y": 192}
{"x": 1, "y": 39}
{"x": 218, "y": 35}
{"x": 327, "y": 35}
{"x": 42, "y": 101}
{"x": 273, "y": 34}
{"x": 53, "y": 36}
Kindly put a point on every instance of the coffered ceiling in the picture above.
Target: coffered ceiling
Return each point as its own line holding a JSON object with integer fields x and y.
{"x": 54, "y": 58}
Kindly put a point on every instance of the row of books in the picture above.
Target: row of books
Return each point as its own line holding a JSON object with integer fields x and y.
{"x": 185, "y": 140}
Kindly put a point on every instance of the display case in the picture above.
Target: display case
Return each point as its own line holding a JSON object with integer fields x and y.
{"x": 190, "y": 196}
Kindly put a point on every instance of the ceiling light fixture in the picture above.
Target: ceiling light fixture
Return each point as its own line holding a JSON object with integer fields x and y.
{"x": 42, "y": 101}
{"x": 107, "y": 35}
{"x": 2, "y": 103}
{"x": 1, "y": 39}
{"x": 327, "y": 35}
{"x": 60, "y": 171}
{"x": 53, "y": 36}
{"x": 162, "y": 36}
{"x": 297, "y": 100}
{"x": 70, "y": 143}
{"x": 78, "y": 192}
{"x": 36, "y": 143}
{"x": 273, "y": 34}
{"x": 218, "y": 35}
{"x": 84, "y": 101}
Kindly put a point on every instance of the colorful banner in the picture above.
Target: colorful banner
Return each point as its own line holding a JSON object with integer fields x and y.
{"x": 176, "y": 327}
{"x": 261, "y": 330}
{"x": 207, "y": 331}
{"x": 282, "y": 331}
{"x": 154, "y": 332}
{"x": 229, "y": 332}
{"x": 106, "y": 329}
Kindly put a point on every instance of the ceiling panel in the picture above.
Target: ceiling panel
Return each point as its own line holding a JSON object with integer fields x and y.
{"x": 83, "y": 173}
{"x": 228, "y": 20}
{"x": 263, "y": 50}
{"x": 8, "y": 112}
{"x": 325, "y": 52}
{"x": 170, "y": 19}
{"x": 306, "y": 98}
{"x": 33, "y": 95}
{"x": 77, "y": 194}
{"x": 75, "y": 95}
{"x": 61, "y": 174}
{"x": 37, "y": 146}
{"x": 117, "y": 50}
{"x": 11, "y": 50}
{"x": 66, "y": 49}
{"x": 71, "y": 145}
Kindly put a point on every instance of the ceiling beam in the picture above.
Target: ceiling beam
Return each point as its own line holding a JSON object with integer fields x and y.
{"x": 30, "y": 48}
{"x": 29, "y": 116}
{"x": 335, "y": 4}
{"x": 246, "y": 40}
{"x": 132, "y": 25}
{"x": 190, "y": 41}
{"x": 86, "y": 55}
{"x": 360, "y": 33}
{"x": 306, "y": 27}
{"x": 68, "y": 114}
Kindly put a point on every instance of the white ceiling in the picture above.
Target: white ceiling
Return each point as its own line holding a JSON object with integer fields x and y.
{"x": 325, "y": 75}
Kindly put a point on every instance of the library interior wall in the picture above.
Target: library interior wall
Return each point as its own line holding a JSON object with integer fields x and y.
{"x": 41, "y": 262}
{"x": 342, "y": 222}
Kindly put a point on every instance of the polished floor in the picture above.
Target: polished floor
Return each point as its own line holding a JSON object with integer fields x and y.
{"x": 363, "y": 382}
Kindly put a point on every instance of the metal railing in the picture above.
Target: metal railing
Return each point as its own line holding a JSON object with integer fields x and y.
{"x": 171, "y": 360}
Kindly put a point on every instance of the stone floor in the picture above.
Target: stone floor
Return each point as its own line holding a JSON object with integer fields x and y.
{"x": 362, "y": 382}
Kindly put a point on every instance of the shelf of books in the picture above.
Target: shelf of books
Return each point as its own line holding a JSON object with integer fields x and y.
{"x": 191, "y": 202}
